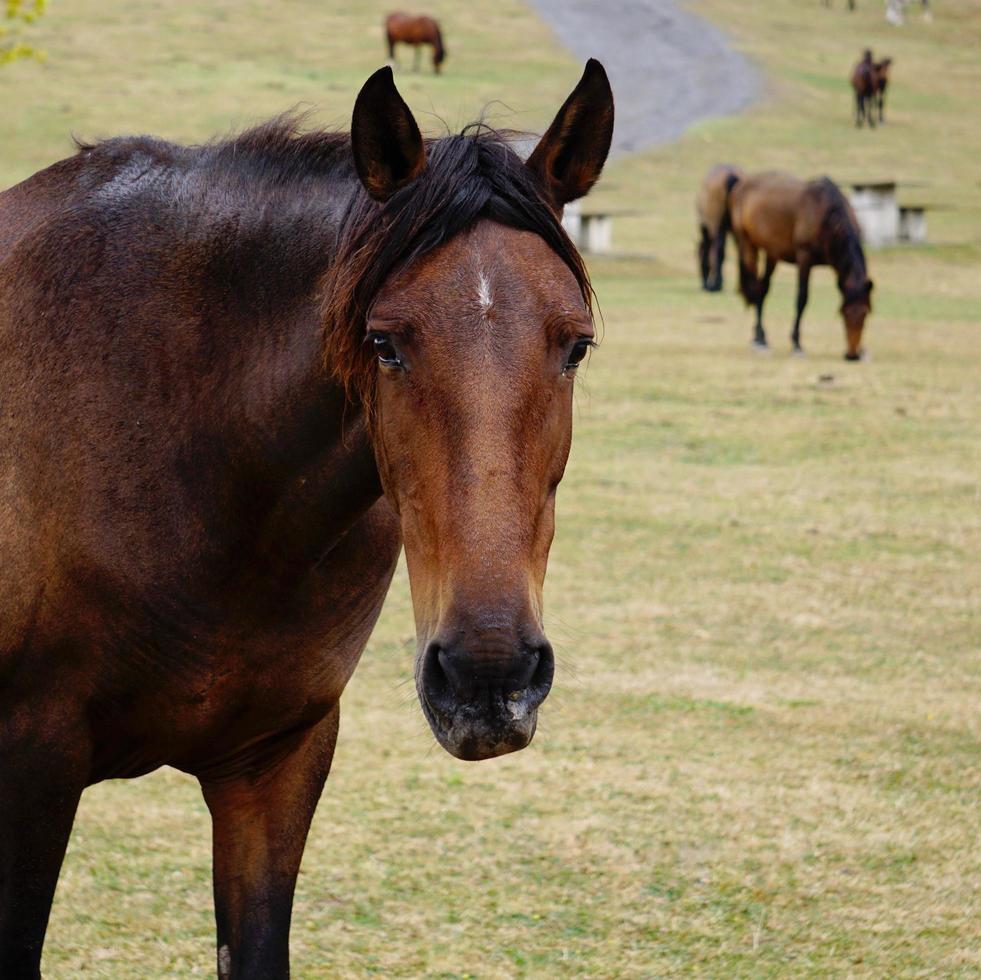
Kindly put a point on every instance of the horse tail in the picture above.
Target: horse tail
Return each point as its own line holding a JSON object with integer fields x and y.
{"x": 726, "y": 224}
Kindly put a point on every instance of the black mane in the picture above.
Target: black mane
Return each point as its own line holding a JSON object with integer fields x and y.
{"x": 844, "y": 242}
{"x": 474, "y": 175}
{"x": 277, "y": 190}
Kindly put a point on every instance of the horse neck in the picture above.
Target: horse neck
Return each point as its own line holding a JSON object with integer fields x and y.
{"x": 289, "y": 430}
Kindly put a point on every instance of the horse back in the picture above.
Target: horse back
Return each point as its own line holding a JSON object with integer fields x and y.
{"x": 763, "y": 210}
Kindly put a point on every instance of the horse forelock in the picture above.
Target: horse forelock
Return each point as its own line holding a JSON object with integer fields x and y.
{"x": 476, "y": 174}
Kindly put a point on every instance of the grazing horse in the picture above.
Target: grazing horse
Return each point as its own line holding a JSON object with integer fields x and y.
{"x": 712, "y": 210}
{"x": 881, "y": 84}
{"x": 807, "y": 224}
{"x": 236, "y": 379}
{"x": 864, "y": 84}
{"x": 415, "y": 30}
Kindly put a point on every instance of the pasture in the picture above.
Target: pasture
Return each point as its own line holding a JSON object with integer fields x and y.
{"x": 761, "y": 754}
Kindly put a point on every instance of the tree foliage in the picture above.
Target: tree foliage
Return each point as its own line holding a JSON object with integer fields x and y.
{"x": 17, "y": 16}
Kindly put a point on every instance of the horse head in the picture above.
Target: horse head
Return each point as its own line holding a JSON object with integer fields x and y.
{"x": 473, "y": 337}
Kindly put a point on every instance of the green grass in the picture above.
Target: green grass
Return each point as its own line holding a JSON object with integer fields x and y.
{"x": 761, "y": 755}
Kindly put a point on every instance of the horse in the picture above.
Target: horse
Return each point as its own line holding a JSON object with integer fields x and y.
{"x": 827, "y": 3}
{"x": 238, "y": 379}
{"x": 896, "y": 11}
{"x": 807, "y": 224}
{"x": 712, "y": 211}
{"x": 881, "y": 84}
{"x": 864, "y": 83}
{"x": 415, "y": 30}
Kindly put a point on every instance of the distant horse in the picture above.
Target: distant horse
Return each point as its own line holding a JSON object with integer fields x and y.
{"x": 881, "y": 84}
{"x": 827, "y": 3}
{"x": 712, "y": 210}
{"x": 865, "y": 83}
{"x": 896, "y": 11}
{"x": 235, "y": 378}
{"x": 806, "y": 224}
{"x": 415, "y": 30}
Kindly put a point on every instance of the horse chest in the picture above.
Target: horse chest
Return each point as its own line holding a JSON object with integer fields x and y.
{"x": 251, "y": 677}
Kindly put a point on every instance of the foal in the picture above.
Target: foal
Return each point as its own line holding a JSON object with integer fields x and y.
{"x": 881, "y": 84}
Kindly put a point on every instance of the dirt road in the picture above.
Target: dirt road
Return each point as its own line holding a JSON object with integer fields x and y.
{"x": 668, "y": 67}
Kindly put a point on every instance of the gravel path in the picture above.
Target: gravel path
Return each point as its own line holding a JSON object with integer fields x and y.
{"x": 668, "y": 67}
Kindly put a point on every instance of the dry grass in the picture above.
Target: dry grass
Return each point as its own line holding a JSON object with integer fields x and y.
{"x": 762, "y": 755}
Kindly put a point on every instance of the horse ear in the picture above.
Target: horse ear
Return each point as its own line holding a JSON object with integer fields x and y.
{"x": 570, "y": 156}
{"x": 387, "y": 144}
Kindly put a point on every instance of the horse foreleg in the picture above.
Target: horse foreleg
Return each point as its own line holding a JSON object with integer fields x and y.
{"x": 803, "y": 281}
{"x": 41, "y": 781}
{"x": 261, "y": 807}
{"x": 418, "y": 56}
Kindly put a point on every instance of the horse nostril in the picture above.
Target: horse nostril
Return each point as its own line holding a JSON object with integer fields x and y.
{"x": 435, "y": 680}
{"x": 532, "y": 685}
{"x": 541, "y": 679}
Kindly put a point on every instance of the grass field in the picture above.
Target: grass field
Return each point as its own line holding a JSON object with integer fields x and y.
{"x": 762, "y": 754}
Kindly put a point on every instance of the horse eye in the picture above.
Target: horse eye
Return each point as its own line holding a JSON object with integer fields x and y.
{"x": 385, "y": 349}
{"x": 578, "y": 352}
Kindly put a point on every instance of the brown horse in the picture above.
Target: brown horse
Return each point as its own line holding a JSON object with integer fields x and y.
{"x": 712, "y": 211}
{"x": 864, "y": 84}
{"x": 236, "y": 379}
{"x": 415, "y": 30}
{"x": 808, "y": 224}
{"x": 881, "y": 84}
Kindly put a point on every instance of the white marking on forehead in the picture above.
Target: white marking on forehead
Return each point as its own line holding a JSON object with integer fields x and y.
{"x": 483, "y": 292}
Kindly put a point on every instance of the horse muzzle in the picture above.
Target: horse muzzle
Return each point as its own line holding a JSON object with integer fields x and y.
{"x": 481, "y": 699}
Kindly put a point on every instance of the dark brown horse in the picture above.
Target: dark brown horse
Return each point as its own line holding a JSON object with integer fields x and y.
{"x": 235, "y": 380}
{"x": 881, "y": 85}
{"x": 807, "y": 224}
{"x": 416, "y": 31}
{"x": 864, "y": 85}
{"x": 712, "y": 211}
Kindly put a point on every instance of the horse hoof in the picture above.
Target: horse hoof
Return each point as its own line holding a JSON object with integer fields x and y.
{"x": 860, "y": 356}
{"x": 761, "y": 347}
{"x": 799, "y": 352}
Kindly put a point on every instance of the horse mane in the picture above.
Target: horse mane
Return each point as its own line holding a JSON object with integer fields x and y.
{"x": 278, "y": 152}
{"x": 360, "y": 242}
{"x": 473, "y": 175}
{"x": 281, "y": 152}
{"x": 843, "y": 237}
